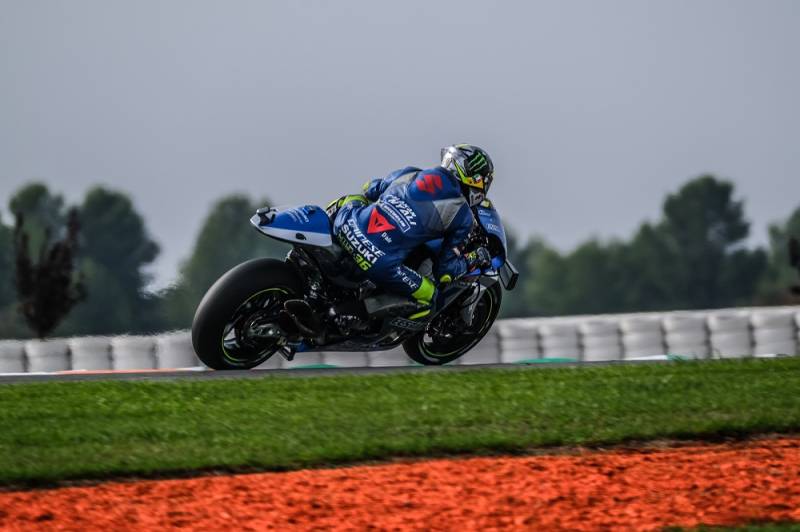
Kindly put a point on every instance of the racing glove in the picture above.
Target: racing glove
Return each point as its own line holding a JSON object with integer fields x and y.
{"x": 478, "y": 259}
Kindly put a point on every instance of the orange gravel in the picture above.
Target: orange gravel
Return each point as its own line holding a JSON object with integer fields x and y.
{"x": 619, "y": 490}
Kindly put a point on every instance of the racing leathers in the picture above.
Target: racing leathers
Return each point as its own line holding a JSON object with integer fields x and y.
{"x": 398, "y": 213}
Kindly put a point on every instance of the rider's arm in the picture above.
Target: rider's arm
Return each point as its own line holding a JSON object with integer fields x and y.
{"x": 451, "y": 261}
{"x": 374, "y": 188}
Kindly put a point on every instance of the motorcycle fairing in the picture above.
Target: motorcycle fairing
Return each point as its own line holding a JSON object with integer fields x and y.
{"x": 489, "y": 219}
{"x": 310, "y": 225}
{"x": 306, "y": 224}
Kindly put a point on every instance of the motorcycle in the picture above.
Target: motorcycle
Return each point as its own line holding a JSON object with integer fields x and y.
{"x": 241, "y": 321}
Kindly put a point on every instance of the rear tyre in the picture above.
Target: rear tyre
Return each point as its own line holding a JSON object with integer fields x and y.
{"x": 432, "y": 349}
{"x": 247, "y": 297}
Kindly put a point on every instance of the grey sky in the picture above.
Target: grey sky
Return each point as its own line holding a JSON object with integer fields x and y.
{"x": 591, "y": 110}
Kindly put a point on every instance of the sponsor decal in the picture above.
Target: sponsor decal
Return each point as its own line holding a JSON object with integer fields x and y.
{"x": 399, "y": 211}
{"x": 411, "y": 282}
{"x": 403, "y": 323}
{"x": 476, "y": 162}
{"x": 378, "y": 222}
{"x": 298, "y": 215}
{"x": 400, "y": 272}
{"x": 358, "y": 245}
{"x": 430, "y": 183}
{"x": 493, "y": 227}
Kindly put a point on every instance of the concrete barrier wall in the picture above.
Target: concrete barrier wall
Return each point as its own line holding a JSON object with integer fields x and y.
{"x": 692, "y": 334}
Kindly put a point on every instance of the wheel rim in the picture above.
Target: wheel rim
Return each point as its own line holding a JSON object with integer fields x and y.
{"x": 437, "y": 349}
{"x": 260, "y": 309}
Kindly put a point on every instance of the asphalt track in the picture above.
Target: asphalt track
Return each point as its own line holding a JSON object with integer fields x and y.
{"x": 200, "y": 374}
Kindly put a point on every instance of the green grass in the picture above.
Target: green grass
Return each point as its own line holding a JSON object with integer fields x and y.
{"x": 86, "y": 430}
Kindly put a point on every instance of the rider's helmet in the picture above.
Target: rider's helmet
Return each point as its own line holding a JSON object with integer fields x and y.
{"x": 473, "y": 167}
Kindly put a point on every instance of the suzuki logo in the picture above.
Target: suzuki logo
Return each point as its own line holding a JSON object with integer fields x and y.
{"x": 430, "y": 183}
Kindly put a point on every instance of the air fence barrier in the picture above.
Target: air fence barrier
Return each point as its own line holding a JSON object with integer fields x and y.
{"x": 723, "y": 333}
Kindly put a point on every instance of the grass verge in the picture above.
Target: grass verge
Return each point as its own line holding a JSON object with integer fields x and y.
{"x": 89, "y": 430}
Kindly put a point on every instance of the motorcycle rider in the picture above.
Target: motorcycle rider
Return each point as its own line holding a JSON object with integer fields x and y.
{"x": 395, "y": 214}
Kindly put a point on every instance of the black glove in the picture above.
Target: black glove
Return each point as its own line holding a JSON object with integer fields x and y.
{"x": 478, "y": 259}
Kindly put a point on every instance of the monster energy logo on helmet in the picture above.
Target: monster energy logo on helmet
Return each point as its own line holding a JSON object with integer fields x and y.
{"x": 470, "y": 164}
{"x": 476, "y": 162}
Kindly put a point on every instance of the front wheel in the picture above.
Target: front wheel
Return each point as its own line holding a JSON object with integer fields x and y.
{"x": 447, "y": 337}
{"x": 228, "y": 331}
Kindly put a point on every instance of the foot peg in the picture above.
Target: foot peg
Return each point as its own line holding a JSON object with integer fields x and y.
{"x": 287, "y": 352}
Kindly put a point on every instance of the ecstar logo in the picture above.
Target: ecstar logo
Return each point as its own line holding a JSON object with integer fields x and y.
{"x": 399, "y": 211}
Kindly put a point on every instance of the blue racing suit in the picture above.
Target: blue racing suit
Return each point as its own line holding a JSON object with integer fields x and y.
{"x": 408, "y": 207}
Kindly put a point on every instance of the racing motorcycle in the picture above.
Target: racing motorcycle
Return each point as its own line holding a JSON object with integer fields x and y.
{"x": 241, "y": 321}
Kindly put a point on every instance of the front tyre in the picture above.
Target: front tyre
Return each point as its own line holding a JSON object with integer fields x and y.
{"x": 444, "y": 341}
{"x": 244, "y": 300}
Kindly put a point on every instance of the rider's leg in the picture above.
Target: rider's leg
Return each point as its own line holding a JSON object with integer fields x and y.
{"x": 399, "y": 279}
{"x": 298, "y": 310}
{"x": 380, "y": 263}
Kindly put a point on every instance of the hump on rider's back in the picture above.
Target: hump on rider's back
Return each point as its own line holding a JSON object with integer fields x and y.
{"x": 434, "y": 184}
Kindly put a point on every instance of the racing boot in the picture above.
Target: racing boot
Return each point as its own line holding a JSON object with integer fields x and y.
{"x": 416, "y": 307}
{"x": 424, "y": 297}
{"x": 304, "y": 317}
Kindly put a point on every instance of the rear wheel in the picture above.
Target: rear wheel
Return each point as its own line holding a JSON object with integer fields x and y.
{"x": 235, "y": 324}
{"x": 447, "y": 337}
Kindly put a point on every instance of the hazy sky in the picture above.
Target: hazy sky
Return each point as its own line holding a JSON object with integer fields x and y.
{"x": 592, "y": 110}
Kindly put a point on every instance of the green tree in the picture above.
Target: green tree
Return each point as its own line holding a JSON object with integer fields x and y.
{"x": 11, "y": 325}
{"x": 115, "y": 236}
{"x": 546, "y": 283}
{"x": 6, "y": 266}
{"x": 653, "y": 270}
{"x": 47, "y": 286}
{"x": 42, "y": 211}
{"x": 115, "y": 249}
{"x": 695, "y": 257}
{"x": 591, "y": 279}
{"x": 780, "y": 275}
{"x": 225, "y": 240}
{"x": 692, "y": 258}
{"x": 515, "y": 303}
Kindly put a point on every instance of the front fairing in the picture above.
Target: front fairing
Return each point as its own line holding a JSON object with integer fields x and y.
{"x": 489, "y": 219}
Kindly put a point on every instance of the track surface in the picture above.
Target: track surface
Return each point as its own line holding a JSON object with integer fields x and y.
{"x": 645, "y": 489}
{"x": 166, "y": 375}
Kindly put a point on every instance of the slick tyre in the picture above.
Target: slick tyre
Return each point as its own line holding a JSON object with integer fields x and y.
{"x": 253, "y": 290}
{"x": 432, "y": 351}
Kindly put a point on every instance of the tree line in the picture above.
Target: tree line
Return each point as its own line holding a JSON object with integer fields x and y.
{"x": 113, "y": 251}
{"x": 695, "y": 256}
